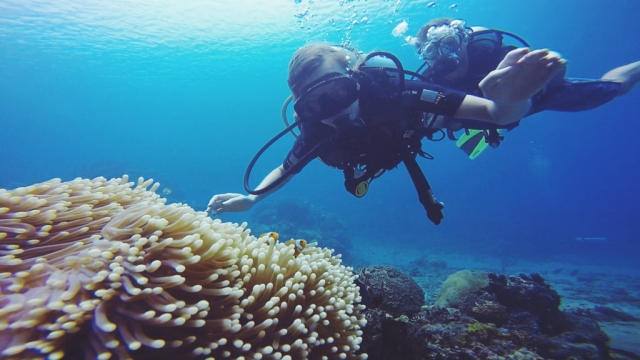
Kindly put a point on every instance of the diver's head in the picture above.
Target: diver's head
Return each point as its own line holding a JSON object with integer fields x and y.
{"x": 442, "y": 43}
{"x": 320, "y": 81}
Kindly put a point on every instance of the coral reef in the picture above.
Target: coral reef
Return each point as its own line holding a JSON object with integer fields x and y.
{"x": 104, "y": 269}
{"x": 459, "y": 286}
{"x": 508, "y": 318}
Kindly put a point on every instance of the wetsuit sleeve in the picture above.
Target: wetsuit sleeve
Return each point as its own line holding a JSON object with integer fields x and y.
{"x": 432, "y": 98}
{"x": 573, "y": 95}
{"x": 296, "y": 154}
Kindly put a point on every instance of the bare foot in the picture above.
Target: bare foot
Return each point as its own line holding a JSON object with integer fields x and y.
{"x": 628, "y": 76}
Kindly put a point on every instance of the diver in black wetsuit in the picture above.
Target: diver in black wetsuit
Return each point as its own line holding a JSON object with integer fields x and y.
{"x": 364, "y": 118}
{"x": 459, "y": 57}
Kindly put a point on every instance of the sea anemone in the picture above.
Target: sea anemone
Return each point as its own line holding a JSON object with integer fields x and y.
{"x": 105, "y": 269}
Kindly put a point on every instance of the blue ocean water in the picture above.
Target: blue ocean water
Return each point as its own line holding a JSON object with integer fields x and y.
{"x": 186, "y": 93}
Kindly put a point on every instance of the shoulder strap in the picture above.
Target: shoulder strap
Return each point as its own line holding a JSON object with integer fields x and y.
{"x": 425, "y": 195}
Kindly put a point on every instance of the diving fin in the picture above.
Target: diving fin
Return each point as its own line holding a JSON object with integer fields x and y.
{"x": 473, "y": 142}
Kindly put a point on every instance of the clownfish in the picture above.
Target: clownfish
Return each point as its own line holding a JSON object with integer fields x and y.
{"x": 271, "y": 234}
{"x": 298, "y": 245}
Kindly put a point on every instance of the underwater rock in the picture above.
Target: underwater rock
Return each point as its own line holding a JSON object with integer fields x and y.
{"x": 531, "y": 294}
{"x": 581, "y": 338}
{"x": 385, "y": 337}
{"x": 391, "y": 297}
{"x": 390, "y": 290}
{"x": 510, "y": 318}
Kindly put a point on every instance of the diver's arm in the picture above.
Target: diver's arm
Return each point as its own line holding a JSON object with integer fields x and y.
{"x": 274, "y": 175}
{"x": 431, "y": 98}
{"x": 498, "y": 113}
{"x": 520, "y": 75}
{"x": 232, "y": 202}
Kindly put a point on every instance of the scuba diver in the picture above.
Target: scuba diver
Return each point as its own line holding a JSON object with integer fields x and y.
{"x": 363, "y": 117}
{"x": 459, "y": 57}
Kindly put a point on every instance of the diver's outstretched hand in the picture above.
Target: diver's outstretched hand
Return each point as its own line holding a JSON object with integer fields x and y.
{"x": 229, "y": 202}
{"x": 521, "y": 74}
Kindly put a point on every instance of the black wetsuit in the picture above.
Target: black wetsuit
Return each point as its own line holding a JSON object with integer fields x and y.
{"x": 561, "y": 94}
{"x": 389, "y": 123}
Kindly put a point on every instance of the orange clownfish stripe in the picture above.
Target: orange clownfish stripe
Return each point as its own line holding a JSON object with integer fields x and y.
{"x": 271, "y": 234}
{"x": 298, "y": 244}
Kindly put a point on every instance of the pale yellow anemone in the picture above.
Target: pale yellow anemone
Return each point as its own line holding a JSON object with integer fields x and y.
{"x": 104, "y": 269}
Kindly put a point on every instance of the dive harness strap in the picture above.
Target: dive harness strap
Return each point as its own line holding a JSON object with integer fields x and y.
{"x": 425, "y": 195}
{"x": 359, "y": 186}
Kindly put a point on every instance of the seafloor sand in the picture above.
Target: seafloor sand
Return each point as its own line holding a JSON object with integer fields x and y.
{"x": 580, "y": 286}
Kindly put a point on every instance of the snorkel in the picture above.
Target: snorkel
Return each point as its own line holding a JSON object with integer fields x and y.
{"x": 292, "y": 170}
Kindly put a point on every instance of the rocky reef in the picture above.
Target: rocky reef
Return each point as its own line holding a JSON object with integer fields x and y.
{"x": 477, "y": 315}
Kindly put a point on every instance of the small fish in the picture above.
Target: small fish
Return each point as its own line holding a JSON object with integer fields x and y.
{"x": 269, "y": 235}
{"x": 298, "y": 244}
{"x": 453, "y": 6}
{"x": 431, "y": 4}
{"x": 557, "y": 271}
{"x": 596, "y": 239}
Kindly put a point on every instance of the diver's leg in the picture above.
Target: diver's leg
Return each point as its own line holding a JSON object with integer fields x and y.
{"x": 628, "y": 76}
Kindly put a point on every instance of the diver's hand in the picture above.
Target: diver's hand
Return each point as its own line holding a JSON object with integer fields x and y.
{"x": 521, "y": 74}
{"x": 230, "y": 202}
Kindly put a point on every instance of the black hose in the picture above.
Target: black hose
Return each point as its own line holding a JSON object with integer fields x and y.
{"x": 292, "y": 170}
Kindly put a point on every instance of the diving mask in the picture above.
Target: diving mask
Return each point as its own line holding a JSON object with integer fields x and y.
{"x": 326, "y": 97}
{"x": 448, "y": 45}
{"x": 441, "y": 50}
